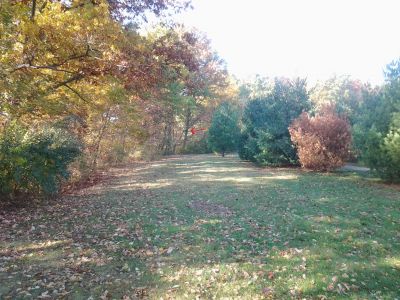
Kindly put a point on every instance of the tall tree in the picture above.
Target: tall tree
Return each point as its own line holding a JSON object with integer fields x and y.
{"x": 265, "y": 138}
{"x": 224, "y": 130}
{"x": 377, "y": 130}
{"x": 199, "y": 80}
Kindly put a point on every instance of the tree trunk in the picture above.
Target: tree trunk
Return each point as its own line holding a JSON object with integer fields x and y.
{"x": 99, "y": 139}
{"x": 186, "y": 129}
{"x": 167, "y": 146}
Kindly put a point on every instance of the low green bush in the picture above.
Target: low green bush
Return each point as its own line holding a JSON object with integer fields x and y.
{"x": 34, "y": 161}
{"x": 382, "y": 153}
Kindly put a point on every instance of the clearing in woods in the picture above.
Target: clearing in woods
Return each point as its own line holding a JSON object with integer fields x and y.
{"x": 207, "y": 227}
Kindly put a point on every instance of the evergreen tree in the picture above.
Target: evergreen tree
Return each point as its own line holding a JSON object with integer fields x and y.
{"x": 224, "y": 130}
{"x": 377, "y": 132}
{"x": 265, "y": 138}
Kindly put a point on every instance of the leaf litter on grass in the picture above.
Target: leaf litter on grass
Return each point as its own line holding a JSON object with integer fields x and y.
{"x": 190, "y": 227}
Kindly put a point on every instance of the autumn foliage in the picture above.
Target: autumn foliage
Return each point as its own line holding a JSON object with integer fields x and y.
{"x": 322, "y": 141}
{"x": 128, "y": 94}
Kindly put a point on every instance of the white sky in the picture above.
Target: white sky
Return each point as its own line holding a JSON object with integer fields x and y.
{"x": 307, "y": 38}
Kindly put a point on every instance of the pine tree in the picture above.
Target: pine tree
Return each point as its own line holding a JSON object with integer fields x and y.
{"x": 224, "y": 130}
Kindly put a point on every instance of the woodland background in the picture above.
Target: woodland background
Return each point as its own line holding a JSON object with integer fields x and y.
{"x": 83, "y": 87}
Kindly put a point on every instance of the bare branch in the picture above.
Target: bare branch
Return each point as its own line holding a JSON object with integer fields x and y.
{"x": 76, "y": 93}
{"x": 33, "y": 10}
{"x": 49, "y": 67}
{"x": 77, "y": 77}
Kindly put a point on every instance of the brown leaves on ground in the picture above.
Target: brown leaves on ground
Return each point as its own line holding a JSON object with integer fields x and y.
{"x": 147, "y": 233}
{"x": 92, "y": 180}
{"x": 211, "y": 209}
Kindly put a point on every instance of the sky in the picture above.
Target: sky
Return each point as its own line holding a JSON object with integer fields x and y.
{"x": 307, "y": 38}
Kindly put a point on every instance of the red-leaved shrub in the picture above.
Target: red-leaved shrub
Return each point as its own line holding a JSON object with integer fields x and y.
{"x": 322, "y": 141}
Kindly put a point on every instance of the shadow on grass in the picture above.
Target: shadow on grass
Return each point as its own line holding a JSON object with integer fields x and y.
{"x": 289, "y": 234}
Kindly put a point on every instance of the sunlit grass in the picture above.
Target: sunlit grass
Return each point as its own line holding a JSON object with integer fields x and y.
{"x": 41, "y": 245}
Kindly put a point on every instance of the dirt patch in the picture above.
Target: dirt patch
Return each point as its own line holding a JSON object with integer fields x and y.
{"x": 211, "y": 209}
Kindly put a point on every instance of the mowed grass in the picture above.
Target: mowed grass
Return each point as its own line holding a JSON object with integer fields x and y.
{"x": 207, "y": 227}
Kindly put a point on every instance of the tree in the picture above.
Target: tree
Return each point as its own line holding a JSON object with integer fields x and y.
{"x": 224, "y": 129}
{"x": 195, "y": 79}
{"x": 86, "y": 60}
{"x": 265, "y": 137}
{"x": 343, "y": 93}
{"x": 377, "y": 130}
{"x": 322, "y": 141}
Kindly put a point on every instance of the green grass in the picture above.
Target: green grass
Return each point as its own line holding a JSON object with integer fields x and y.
{"x": 207, "y": 227}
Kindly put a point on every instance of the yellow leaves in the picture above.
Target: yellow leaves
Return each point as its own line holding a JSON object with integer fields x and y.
{"x": 66, "y": 61}
{"x": 48, "y": 56}
{"x": 77, "y": 28}
{"x": 17, "y": 47}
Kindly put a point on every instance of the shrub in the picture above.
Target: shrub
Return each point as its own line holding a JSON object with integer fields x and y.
{"x": 323, "y": 141}
{"x": 391, "y": 149}
{"x": 382, "y": 153}
{"x": 33, "y": 162}
{"x": 247, "y": 147}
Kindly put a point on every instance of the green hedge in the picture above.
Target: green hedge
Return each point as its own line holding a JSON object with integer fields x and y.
{"x": 33, "y": 162}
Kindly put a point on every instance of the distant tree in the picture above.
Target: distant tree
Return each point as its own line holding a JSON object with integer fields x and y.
{"x": 323, "y": 141}
{"x": 265, "y": 138}
{"x": 224, "y": 131}
{"x": 344, "y": 93}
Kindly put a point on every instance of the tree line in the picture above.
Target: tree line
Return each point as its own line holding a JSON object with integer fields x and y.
{"x": 82, "y": 87}
{"x": 284, "y": 123}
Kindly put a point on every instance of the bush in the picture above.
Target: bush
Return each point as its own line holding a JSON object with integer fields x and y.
{"x": 382, "y": 153}
{"x": 33, "y": 162}
{"x": 323, "y": 141}
{"x": 391, "y": 149}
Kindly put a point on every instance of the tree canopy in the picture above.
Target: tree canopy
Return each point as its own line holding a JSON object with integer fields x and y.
{"x": 265, "y": 137}
{"x": 122, "y": 92}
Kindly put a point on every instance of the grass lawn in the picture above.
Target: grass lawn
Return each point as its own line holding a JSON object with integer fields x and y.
{"x": 209, "y": 228}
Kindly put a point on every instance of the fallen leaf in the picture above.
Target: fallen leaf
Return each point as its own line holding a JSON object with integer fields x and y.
{"x": 271, "y": 275}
